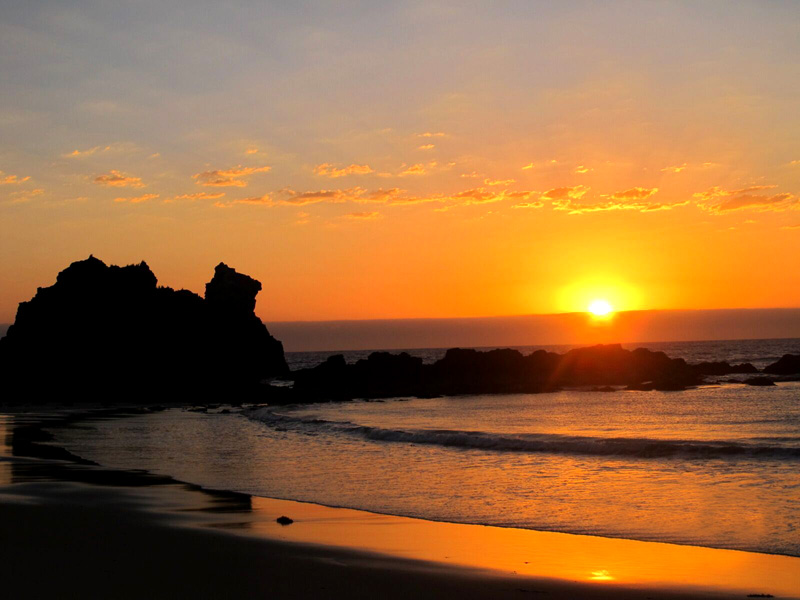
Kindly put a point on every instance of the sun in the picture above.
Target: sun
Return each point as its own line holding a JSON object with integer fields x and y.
{"x": 600, "y": 308}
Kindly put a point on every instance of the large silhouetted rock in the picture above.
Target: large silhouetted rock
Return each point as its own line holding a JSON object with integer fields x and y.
{"x": 111, "y": 330}
{"x": 788, "y": 364}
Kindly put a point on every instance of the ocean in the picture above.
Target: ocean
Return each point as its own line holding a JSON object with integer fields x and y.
{"x": 716, "y": 466}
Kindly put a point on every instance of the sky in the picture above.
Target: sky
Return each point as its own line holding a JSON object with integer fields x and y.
{"x": 369, "y": 160}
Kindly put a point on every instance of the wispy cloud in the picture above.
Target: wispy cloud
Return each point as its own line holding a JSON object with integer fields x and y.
{"x": 426, "y": 147}
{"x": 12, "y": 179}
{"x": 414, "y": 170}
{"x": 637, "y": 199}
{"x": 116, "y": 178}
{"x": 115, "y": 148}
{"x": 581, "y": 169}
{"x": 329, "y": 170}
{"x": 756, "y": 197}
{"x": 137, "y": 199}
{"x": 498, "y": 181}
{"x": 22, "y": 196}
{"x": 562, "y": 194}
{"x": 362, "y": 216}
{"x": 636, "y": 193}
{"x": 487, "y": 196}
{"x": 429, "y": 134}
{"x": 198, "y": 196}
{"x": 531, "y": 166}
{"x": 233, "y": 177}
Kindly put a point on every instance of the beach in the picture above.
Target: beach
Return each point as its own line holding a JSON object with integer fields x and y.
{"x": 80, "y": 530}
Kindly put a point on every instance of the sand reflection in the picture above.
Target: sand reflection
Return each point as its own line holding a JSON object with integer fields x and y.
{"x": 533, "y": 553}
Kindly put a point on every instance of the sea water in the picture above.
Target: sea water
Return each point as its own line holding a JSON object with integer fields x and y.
{"x": 717, "y": 466}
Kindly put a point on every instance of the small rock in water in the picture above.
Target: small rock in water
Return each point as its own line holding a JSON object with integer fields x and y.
{"x": 284, "y": 520}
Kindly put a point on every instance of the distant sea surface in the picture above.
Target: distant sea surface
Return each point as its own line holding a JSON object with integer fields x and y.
{"x": 715, "y": 466}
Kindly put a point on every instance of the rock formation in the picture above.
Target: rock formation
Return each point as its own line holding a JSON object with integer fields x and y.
{"x": 465, "y": 371}
{"x": 112, "y": 331}
{"x": 788, "y": 364}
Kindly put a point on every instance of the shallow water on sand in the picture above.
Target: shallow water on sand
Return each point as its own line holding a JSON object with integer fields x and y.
{"x": 714, "y": 466}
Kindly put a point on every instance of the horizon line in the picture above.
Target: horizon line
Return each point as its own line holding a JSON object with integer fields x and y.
{"x": 524, "y": 315}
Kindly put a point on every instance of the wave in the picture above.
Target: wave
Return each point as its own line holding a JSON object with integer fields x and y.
{"x": 527, "y": 442}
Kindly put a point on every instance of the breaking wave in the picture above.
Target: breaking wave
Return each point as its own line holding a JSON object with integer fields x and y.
{"x": 528, "y": 442}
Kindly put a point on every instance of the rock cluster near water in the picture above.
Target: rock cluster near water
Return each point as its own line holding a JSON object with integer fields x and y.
{"x": 104, "y": 329}
{"x": 109, "y": 331}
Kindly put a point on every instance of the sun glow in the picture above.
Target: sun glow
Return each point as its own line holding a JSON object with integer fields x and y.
{"x": 600, "y": 308}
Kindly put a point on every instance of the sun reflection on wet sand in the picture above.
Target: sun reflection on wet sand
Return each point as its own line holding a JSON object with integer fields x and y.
{"x": 533, "y": 553}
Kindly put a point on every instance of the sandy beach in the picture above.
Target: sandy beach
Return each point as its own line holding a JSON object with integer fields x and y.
{"x": 74, "y": 530}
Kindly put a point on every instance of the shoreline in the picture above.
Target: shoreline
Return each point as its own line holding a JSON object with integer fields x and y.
{"x": 47, "y": 494}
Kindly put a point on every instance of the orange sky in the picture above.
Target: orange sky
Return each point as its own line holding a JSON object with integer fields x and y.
{"x": 419, "y": 161}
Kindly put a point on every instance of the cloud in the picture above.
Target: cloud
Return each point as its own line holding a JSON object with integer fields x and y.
{"x": 417, "y": 169}
{"x": 315, "y": 197}
{"x": 485, "y": 196}
{"x": 290, "y": 197}
{"x": 531, "y": 166}
{"x": 637, "y": 193}
{"x": 563, "y": 194}
{"x": 675, "y": 169}
{"x": 251, "y": 151}
{"x": 12, "y": 179}
{"x": 717, "y": 201}
{"x": 303, "y": 218}
{"x": 580, "y": 169}
{"x": 23, "y": 196}
{"x": 87, "y": 152}
{"x": 362, "y": 216}
{"x": 198, "y": 196}
{"x": 138, "y": 199}
{"x": 389, "y": 197}
{"x": 637, "y": 198}
{"x": 379, "y": 196}
{"x": 118, "y": 179}
{"x": 328, "y": 170}
{"x": 795, "y": 226}
{"x": 795, "y": 163}
{"x": 472, "y": 175}
{"x": 426, "y": 147}
{"x": 116, "y": 147}
{"x": 429, "y": 134}
{"x": 233, "y": 177}
{"x": 499, "y": 181}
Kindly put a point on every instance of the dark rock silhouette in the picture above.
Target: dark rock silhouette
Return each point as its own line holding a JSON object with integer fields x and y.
{"x": 466, "y": 371}
{"x": 788, "y": 364}
{"x": 112, "y": 331}
{"x": 722, "y": 368}
{"x": 759, "y": 381}
{"x": 283, "y": 520}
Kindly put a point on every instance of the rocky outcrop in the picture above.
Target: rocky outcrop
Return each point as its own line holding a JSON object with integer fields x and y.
{"x": 109, "y": 330}
{"x": 788, "y": 364}
{"x": 722, "y": 368}
{"x": 466, "y": 371}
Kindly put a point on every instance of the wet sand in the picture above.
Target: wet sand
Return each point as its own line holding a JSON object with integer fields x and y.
{"x": 70, "y": 529}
